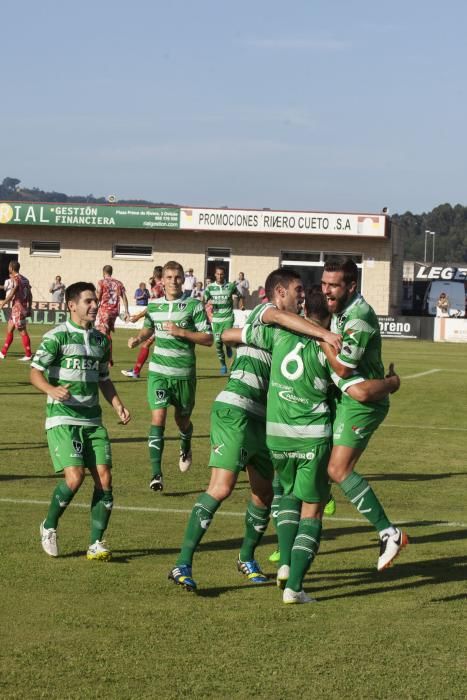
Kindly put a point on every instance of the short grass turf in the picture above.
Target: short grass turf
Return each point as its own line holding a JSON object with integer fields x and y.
{"x": 77, "y": 629}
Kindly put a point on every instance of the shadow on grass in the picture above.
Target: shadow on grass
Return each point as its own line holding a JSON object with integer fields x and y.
{"x": 17, "y": 446}
{"x": 20, "y": 477}
{"x": 409, "y": 476}
{"x": 216, "y": 591}
{"x": 144, "y": 438}
{"x": 430, "y": 572}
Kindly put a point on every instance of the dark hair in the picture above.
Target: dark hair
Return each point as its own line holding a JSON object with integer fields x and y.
{"x": 282, "y": 276}
{"x": 14, "y": 264}
{"x": 347, "y": 266}
{"x": 316, "y": 305}
{"x": 107, "y": 269}
{"x": 74, "y": 291}
{"x": 157, "y": 270}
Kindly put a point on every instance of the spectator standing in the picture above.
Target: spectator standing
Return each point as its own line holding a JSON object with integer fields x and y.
{"x": 189, "y": 283}
{"x": 243, "y": 287}
{"x": 57, "y": 290}
{"x": 442, "y": 306}
{"x": 141, "y": 295}
{"x": 157, "y": 288}
{"x": 198, "y": 291}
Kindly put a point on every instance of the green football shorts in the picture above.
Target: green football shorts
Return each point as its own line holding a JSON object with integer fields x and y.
{"x": 79, "y": 446}
{"x": 218, "y": 328}
{"x": 304, "y": 472}
{"x": 171, "y": 391}
{"x": 238, "y": 440}
{"x": 356, "y": 422}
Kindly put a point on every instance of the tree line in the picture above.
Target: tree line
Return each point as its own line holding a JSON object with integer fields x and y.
{"x": 448, "y": 222}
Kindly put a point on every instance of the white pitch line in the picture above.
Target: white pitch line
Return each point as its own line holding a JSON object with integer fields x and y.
{"x": 184, "y": 511}
{"x": 421, "y": 374}
{"x": 433, "y": 428}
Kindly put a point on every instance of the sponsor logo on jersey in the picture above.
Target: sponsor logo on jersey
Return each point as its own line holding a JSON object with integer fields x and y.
{"x": 81, "y": 363}
{"x": 291, "y": 397}
{"x": 294, "y": 455}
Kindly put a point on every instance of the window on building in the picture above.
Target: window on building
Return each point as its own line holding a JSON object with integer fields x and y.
{"x": 309, "y": 265}
{"x": 45, "y": 248}
{"x": 9, "y": 246}
{"x": 130, "y": 250}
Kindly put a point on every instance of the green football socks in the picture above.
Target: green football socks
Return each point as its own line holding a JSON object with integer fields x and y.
{"x": 201, "y": 515}
{"x": 156, "y": 448}
{"x": 185, "y": 439}
{"x": 288, "y": 519}
{"x": 359, "y": 492}
{"x": 276, "y": 501}
{"x": 256, "y": 522}
{"x": 101, "y": 510}
{"x": 61, "y": 498}
{"x": 304, "y": 550}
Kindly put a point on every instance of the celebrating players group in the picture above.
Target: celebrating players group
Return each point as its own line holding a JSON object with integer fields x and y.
{"x": 299, "y": 408}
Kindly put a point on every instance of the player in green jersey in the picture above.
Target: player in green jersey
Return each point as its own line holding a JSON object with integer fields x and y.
{"x": 178, "y": 325}
{"x": 355, "y": 422}
{"x": 238, "y": 432}
{"x": 70, "y": 366}
{"x": 220, "y": 294}
{"x": 298, "y": 431}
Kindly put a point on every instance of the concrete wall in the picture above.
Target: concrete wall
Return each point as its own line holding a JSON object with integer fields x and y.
{"x": 85, "y": 251}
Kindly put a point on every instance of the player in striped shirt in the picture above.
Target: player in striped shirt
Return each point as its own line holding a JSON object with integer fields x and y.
{"x": 355, "y": 423}
{"x": 220, "y": 295}
{"x": 238, "y": 432}
{"x": 178, "y": 325}
{"x": 20, "y": 297}
{"x": 71, "y": 366}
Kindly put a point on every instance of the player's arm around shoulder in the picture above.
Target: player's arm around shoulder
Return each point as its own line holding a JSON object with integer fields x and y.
{"x": 342, "y": 371}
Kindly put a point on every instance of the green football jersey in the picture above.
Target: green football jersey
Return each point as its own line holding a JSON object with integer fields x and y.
{"x": 175, "y": 357}
{"x": 221, "y": 298}
{"x": 297, "y": 411}
{"x": 76, "y": 357}
{"x": 361, "y": 340}
{"x": 248, "y": 383}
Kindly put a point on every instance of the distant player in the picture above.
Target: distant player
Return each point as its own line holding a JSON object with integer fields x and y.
{"x": 219, "y": 295}
{"x": 178, "y": 325}
{"x": 355, "y": 422}
{"x": 109, "y": 293}
{"x": 157, "y": 291}
{"x": 70, "y": 366}
{"x": 20, "y": 296}
{"x": 238, "y": 433}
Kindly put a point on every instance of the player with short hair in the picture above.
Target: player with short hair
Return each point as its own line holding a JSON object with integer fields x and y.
{"x": 178, "y": 325}
{"x": 20, "y": 296}
{"x": 109, "y": 293}
{"x": 238, "y": 433}
{"x": 355, "y": 422}
{"x": 70, "y": 366}
{"x": 220, "y": 295}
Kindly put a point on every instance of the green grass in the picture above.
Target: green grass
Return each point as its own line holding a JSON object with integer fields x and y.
{"x": 78, "y": 629}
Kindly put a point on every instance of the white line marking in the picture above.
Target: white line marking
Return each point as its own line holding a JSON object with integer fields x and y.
{"x": 433, "y": 428}
{"x": 421, "y": 374}
{"x": 183, "y": 511}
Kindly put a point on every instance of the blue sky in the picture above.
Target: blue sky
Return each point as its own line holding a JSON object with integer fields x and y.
{"x": 310, "y": 104}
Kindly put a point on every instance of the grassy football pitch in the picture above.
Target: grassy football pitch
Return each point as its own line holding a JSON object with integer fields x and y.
{"x": 78, "y": 629}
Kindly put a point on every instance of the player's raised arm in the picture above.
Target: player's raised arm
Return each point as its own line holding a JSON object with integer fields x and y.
{"x": 294, "y": 322}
